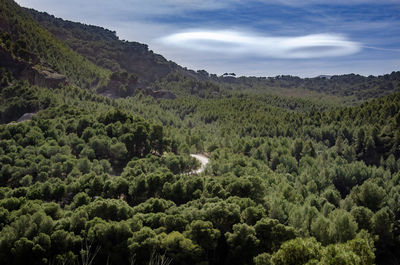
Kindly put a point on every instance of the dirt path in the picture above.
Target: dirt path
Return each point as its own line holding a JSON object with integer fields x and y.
{"x": 203, "y": 160}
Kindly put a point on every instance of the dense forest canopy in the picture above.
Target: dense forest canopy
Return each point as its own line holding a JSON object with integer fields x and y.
{"x": 301, "y": 171}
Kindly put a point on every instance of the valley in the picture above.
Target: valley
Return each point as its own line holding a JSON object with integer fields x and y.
{"x": 124, "y": 157}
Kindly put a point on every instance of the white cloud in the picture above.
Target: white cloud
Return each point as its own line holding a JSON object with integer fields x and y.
{"x": 240, "y": 43}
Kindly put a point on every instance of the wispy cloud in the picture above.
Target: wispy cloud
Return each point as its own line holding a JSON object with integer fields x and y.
{"x": 382, "y": 49}
{"x": 240, "y": 43}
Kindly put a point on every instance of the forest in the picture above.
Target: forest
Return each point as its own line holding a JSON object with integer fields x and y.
{"x": 301, "y": 171}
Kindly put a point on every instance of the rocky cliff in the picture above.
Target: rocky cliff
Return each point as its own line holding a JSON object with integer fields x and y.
{"x": 35, "y": 74}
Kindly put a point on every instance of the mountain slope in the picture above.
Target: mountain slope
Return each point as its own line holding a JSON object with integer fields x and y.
{"x": 26, "y": 41}
{"x": 102, "y": 47}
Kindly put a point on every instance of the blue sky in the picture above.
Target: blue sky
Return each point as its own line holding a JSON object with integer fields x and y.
{"x": 256, "y": 37}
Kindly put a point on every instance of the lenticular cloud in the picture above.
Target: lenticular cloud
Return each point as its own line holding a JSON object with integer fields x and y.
{"x": 239, "y": 43}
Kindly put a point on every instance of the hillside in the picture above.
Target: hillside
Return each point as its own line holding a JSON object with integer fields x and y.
{"x": 25, "y": 41}
{"x": 301, "y": 171}
{"x": 105, "y": 49}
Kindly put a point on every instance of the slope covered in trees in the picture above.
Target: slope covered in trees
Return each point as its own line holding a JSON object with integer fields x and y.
{"x": 22, "y": 37}
{"x": 103, "y": 47}
{"x": 83, "y": 181}
{"x": 95, "y": 180}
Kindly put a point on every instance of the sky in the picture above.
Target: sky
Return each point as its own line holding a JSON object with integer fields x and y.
{"x": 252, "y": 37}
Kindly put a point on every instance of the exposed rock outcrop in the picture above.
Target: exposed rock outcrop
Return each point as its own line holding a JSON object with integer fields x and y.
{"x": 26, "y": 117}
{"x": 43, "y": 77}
{"x": 35, "y": 74}
{"x": 160, "y": 94}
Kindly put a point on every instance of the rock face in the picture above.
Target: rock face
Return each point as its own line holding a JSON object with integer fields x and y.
{"x": 35, "y": 74}
{"x": 161, "y": 94}
{"x": 26, "y": 117}
{"x": 43, "y": 77}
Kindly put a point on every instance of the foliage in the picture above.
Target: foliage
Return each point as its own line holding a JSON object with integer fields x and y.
{"x": 26, "y": 39}
{"x": 90, "y": 179}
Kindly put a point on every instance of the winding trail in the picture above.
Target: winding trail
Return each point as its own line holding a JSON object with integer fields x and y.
{"x": 203, "y": 160}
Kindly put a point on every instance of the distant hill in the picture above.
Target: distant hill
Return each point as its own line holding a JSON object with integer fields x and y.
{"x": 351, "y": 85}
{"x": 324, "y": 76}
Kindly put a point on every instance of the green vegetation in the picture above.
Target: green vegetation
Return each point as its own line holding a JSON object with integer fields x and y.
{"x": 102, "y": 47}
{"x": 24, "y": 38}
{"x": 95, "y": 180}
{"x": 350, "y": 88}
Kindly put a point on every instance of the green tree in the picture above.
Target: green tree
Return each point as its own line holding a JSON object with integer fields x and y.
{"x": 369, "y": 195}
{"x": 362, "y": 216}
{"x": 343, "y": 226}
{"x": 297, "y": 148}
{"x": 203, "y": 234}
{"x": 181, "y": 249}
{"x": 298, "y": 251}
{"x": 118, "y": 154}
{"x": 320, "y": 228}
{"x": 272, "y": 234}
{"x": 243, "y": 243}
{"x": 142, "y": 244}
